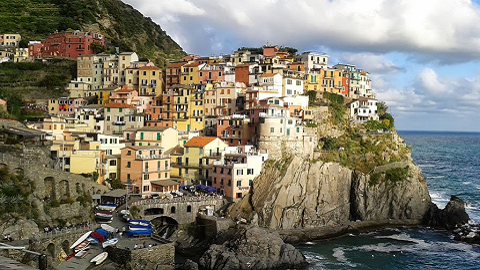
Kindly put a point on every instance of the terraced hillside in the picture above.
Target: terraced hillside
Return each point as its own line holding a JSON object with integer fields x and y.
{"x": 126, "y": 27}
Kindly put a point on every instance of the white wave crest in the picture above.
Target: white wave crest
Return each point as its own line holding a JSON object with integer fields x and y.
{"x": 339, "y": 254}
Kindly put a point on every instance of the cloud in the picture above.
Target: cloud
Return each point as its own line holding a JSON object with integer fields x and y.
{"x": 446, "y": 32}
{"x": 429, "y": 81}
{"x": 373, "y": 63}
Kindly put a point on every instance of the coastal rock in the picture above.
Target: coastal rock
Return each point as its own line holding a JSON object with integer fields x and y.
{"x": 298, "y": 193}
{"x": 452, "y": 216}
{"x": 188, "y": 265}
{"x": 252, "y": 248}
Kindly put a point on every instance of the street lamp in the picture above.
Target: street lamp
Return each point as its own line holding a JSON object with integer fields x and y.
{"x": 128, "y": 185}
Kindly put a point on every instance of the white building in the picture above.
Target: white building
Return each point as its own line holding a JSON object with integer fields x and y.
{"x": 314, "y": 60}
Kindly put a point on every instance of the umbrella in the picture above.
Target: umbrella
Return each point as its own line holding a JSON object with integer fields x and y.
{"x": 201, "y": 186}
{"x": 210, "y": 189}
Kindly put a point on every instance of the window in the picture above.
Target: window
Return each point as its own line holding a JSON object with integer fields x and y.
{"x": 229, "y": 183}
{"x": 146, "y": 176}
{"x": 129, "y": 153}
{"x": 129, "y": 164}
{"x": 239, "y": 183}
{"x": 187, "y": 149}
{"x": 113, "y": 163}
{"x": 172, "y": 210}
{"x": 240, "y": 172}
{"x": 189, "y": 208}
{"x": 272, "y": 130}
{"x": 249, "y": 171}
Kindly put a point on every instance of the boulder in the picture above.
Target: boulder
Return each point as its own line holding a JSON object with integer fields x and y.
{"x": 451, "y": 217}
{"x": 252, "y": 248}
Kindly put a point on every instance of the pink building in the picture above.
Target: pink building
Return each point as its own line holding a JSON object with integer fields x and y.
{"x": 144, "y": 166}
{"x": 211, "y": 73}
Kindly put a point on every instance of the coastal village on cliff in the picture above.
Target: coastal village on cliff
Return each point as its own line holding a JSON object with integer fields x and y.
{"x": 201, "y": 120}
{"x": 181, "y": 144}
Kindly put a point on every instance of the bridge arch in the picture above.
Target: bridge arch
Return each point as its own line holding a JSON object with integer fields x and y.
{"x": 66, "y": 246}
{"x": 64, "y": 189}
{"x": 49, "y": 189}
{"x": 78, "y": 188}
{"x": 51, "y": 249}
{"x": 18, "y": 171}
{"x": 164, "y": 226}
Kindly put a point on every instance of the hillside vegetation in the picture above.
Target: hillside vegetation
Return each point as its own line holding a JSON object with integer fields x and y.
{"x": 126, "y": 27}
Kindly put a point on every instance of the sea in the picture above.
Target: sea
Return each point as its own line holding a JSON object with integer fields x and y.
{"x": 450, "y": 161}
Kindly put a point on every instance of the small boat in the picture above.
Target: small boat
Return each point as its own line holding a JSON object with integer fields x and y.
{"x": 100, "y": 258}
{"x": 139, "y": 228}
{"x": 107, "y": 207}
{"x": 82, "y": 246}
{"x": 104, "y": 214}
{"x": 124, "y": 212}
{"x": 93, "y": 240}
{"x": 81, "y": 239}
{"x": 140, "y": 222}
{"x": 110, "y": 242}
{"x": 85, "y": 255}
{"x": 82, "y": 253}
{"x": 108, "y": 228}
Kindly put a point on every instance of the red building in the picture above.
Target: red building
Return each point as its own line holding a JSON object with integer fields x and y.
{"x": 173, "y": 73}
{"x": 70, "y": 44}
{"x": 35, "y": 49}
{"x": 242, "y": 73}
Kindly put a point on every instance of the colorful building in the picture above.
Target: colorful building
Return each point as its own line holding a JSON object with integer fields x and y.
{"x": 70, "y": 44}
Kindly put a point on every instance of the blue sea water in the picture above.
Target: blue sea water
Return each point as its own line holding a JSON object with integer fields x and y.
{"x": 451, "y": 163}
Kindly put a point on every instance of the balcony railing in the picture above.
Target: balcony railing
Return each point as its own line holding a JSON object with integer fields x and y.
{"x": 119, "y": 123}
{"x": 150, "y": 157}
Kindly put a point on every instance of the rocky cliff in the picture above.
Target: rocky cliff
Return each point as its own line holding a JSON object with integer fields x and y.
{"x": 296, "y": 193}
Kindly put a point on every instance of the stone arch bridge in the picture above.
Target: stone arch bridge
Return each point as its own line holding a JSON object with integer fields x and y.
{"x": 51, "y": 184}
{"x": 183, "y": 210}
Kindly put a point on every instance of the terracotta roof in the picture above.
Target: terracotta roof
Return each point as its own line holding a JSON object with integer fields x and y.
{"x": 150, "y": 68}
{"x": 173, "y": 65}
{"x": 268, "y": 74}
{"x": 119, "y": 105}
{"x": 199, "y": 141}
{"x": 193, "y": 65}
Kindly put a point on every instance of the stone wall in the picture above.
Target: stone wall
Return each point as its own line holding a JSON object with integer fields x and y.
{"x": 156, "y": 257}
{"x": 212, "y": 226}
{"x": 302, "y": 146}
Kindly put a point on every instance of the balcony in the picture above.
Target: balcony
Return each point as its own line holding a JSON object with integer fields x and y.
{"x": 150, "y": 157}
{"x": 155, "y": 170}
{"x": 119, "y": 123}
{"x": 99, "y": 117}
{"x": 80, "y": 49}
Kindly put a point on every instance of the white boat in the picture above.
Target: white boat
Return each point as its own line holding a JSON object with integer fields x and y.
{"x": 139, "y": 228}
{"x": 100, "y": 258}
{"x": 110, "y": 242}
{"x": 82, "y": 246}
{"x": 107, "y": 207}
{"x": 82, "y": 252}
{"x": 81, "y": 239}
{"x": 108, "y": 228}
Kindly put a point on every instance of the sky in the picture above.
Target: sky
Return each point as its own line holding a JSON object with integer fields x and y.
{"x": 422, "y": 55}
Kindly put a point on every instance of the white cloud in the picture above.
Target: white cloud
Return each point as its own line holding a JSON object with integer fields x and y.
{"x": 373, "y": 63}
{"x": 428, "y": 79}
{"x": 449, "y": 30}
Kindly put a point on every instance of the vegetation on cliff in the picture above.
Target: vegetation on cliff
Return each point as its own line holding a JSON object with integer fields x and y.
{"x": 15, "y": 192}
{"x": 126, "y": 27}
{"x": 25, "y": 81}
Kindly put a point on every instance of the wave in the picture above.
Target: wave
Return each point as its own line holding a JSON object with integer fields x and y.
{"x": 426, "y": 165}
{"x": 412, "y": 244}
{"x": 467, "y": 183}
{"x": 436, "y": 177}
{"x": 339, "y": 254}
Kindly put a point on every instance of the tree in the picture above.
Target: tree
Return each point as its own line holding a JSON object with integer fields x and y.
{"x": 97, "y": 47}
{"x": 312, "y": 96}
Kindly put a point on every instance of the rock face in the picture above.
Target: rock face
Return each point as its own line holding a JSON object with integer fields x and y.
{"x": 452, "y": 216}
{"x": 297, "y": 193}
{"x": 252, "y": 248}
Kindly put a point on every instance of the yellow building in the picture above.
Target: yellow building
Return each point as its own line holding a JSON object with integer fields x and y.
{"x": 199, "y": 154}
{"x": 190, "y": 74}
{"x": 151, "y": 81}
